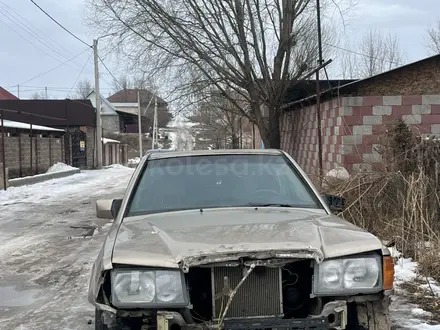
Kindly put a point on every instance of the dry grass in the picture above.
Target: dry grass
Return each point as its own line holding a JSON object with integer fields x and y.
{"x": 429, "y": 263}
{"x": 400, "y": 202}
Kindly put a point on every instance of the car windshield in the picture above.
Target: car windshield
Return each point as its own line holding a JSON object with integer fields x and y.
{"x": 198, "y": 182}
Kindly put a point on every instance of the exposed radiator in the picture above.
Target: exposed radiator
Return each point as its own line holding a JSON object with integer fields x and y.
{"x": 259, "y": 295}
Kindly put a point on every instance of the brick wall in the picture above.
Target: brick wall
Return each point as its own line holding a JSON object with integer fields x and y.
{"x": 351, "y": 127}
{"x": 299, "y": 135}
{"x": 45, "y": 152}
{"x": 370, "y": 114}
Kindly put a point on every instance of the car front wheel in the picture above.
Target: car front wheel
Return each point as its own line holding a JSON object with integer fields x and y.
{"x": 99, "y": 322}
{"x": 369, "y": 315}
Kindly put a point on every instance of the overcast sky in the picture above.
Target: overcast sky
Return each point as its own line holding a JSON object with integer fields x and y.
{"x": 32, "y": 44}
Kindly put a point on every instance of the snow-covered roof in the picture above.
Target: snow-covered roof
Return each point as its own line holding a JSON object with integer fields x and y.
{"x": 107, "y": 109}
{"x": 105, "y": 140}
{"x": 19, "y": 125}
{"x": 125, "y": 105}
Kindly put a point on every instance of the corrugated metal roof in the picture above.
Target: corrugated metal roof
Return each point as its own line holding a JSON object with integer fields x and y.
{"x": 5, "y": 95}
{"x": 53, "y": 113}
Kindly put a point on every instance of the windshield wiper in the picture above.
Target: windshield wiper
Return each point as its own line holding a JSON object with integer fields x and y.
{"x": 271, "y": 204}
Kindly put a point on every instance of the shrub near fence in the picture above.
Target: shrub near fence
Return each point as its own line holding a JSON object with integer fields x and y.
{"x": 25, "y": 155}
{"x": 400, "y": 202}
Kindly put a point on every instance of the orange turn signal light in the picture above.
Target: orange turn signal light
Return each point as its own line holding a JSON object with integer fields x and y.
{"x": 388, "y": 273}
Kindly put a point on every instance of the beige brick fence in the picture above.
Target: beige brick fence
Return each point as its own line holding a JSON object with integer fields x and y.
{"x": 25, "y": 155}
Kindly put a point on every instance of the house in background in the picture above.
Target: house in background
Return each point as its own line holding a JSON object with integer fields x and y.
{"x": 75, "y": 119}
{"x": 353, "y": 116}
{"x": 110, "y": 118}
{"x": 5, "y": 95}
{"x": 126, "y": 101}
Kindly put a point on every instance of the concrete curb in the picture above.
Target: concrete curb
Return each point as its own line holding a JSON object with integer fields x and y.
{"x": 41, "y": 178}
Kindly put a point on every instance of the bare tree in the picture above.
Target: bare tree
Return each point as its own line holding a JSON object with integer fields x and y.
{"x": 258, "y": 49}
{"x": 132, "y": 82}
{"x": 375, "y": 53}
{"x": 433, "y": 38}
{"x": 39, "y": 96}
{"x": 83, "y": 88}
{"x": 219, "y": 120}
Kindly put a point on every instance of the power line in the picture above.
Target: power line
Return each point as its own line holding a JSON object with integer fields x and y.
{"x": 40, "y": 87}
{"x": 88, "y": 59}
{"x": 34, "y": 31}
{"x": 58, "y": 66}
{"x": 48, "y": 54}
{"x": 360, "y": 54}
{"x": 53, "y": 19}
{"x": 108, "y": 70}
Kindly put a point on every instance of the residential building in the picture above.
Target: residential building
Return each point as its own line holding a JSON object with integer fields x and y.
{"x": 5, "y": 95}
{"x": 126, "y": 101}
{"x": 110, "y": 117}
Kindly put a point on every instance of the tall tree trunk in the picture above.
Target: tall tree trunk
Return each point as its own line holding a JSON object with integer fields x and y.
{"x": 235, "y": 141}
{"x": 272, "y": 138}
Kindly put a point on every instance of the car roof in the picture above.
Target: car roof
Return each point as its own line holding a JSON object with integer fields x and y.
{"x": 153, "y": 154}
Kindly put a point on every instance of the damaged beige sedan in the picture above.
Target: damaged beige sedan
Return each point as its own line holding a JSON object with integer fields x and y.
{"x": 234, "y": 239}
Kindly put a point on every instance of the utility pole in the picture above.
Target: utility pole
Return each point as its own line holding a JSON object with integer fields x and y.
{"x": 155, "y": 123}
{"x": 318, "y": 90}
{"x": 139, "y": 125}
{"x": 98, "y": 108}
{"x": 5, "y": 181}
{"x": 18, "y": 91}
{"x": 253, "y": 136}
{"x": 45, "y": 88}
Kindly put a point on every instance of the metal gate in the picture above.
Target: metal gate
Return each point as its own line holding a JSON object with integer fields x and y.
{"x": 76, "y": 148}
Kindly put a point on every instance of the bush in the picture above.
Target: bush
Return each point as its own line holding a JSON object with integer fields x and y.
{"x": 399, "y": 202}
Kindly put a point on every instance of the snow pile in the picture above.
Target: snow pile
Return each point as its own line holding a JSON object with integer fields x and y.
{"x": 405, "y": 271}
{"x": 173, "y": 137}
{"x": 118, "y": 167}
{"x": 335, "y": 176}
{"x": 134, "y": 161}
{"x": 404, "y": 314}
{"x": 60, "y": 167}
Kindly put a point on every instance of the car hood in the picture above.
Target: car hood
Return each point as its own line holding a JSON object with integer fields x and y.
{"x": 188, "y": 238}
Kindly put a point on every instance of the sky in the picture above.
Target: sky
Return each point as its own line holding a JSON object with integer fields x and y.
{"x": 33, "y": 48}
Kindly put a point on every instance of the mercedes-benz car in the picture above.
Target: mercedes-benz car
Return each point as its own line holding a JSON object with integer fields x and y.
{"x": 234, "y": 239}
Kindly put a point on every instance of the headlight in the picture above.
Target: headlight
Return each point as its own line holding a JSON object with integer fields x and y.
{"x": 348, "y": 276}
{"x": 135, "y": 288}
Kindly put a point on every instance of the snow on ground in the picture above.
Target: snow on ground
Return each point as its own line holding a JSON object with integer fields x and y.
{"x": 50, "y": 238}
{"x": 60, "y": 167}
{"x": 404, "y": 314}
{"x": 134, "y": 161}
{"x": 180, "y": 134}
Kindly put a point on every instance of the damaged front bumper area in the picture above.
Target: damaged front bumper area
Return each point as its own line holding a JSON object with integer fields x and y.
{"x": 333, "y": 317}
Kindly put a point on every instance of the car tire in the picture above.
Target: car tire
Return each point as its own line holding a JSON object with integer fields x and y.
{"x": 370, "y": 315}
{"x": 100, "y": 325}
{"x": 99, "y": 322}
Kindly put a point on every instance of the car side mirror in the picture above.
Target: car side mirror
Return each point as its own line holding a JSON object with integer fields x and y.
{"x": 335, "y": 203}
{"x": 116, "y": 206}
{"x": 108, "y": 208}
